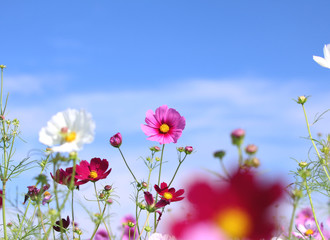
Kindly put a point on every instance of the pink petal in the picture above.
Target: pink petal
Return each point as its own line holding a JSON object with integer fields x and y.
{"x": 161, "y": 113}
{"x": 151, "y": 120}
{"x": 149, "y": 131}
{"x": 179, "y": 192}
{"x": 103, "y": 166}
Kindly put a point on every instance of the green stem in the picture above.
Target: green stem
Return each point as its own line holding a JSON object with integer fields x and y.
{"x": 122, "y": 155}
{"x": 144, "y": 226}
{"x": 177, "y": 169}
{"x": 311, "y": 203}
{"x": 98, "y": 202}
{"x": 98, "y": 225}
{"x": 42, "y": 221}
{"x": 311, "y": 138}
{"x": 160, "y": 172}
{"x": 240, "y": 159}
{"x": 295, "y": 204}
{"x": 72, "y": 213}
{"x": 3, "y": 210}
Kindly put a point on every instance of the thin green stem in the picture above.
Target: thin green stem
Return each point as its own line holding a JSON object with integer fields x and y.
{"x": 240, "y": 159}
{"x": 72, "y": 213}
{"x": 122, "y": 155}
{"x": 177, "y": 169}
{"x": 312, "y": 207}
{"x": 21, "y": 222}
{"x": 159, "y": 175}
{"x": 42, "y": 221}
{"x": 3, "y": 210}
{"x": 312, "y": 140}
{"x": 98, "y": 225}
{"x": 295, "y": 204}
{"x": 102, "y": 213}
{"x": 144, "y": 226}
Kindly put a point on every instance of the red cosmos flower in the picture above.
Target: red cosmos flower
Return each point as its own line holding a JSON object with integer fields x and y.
{"x": 151, "y": 205}
{"x": 169, "y": 194}
{"x": 239, "y": 209}
{"x": 64, "y": 177}
{"x": 164, "y": 126}
{"x": 94, "y": 171}
{"x": 65, "y": 224}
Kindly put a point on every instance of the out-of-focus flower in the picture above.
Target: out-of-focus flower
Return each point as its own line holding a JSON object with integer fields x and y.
{"x": 65, "y": 224}
{"x": 34, "y": 193}
{"x": 64, "y": 177}
{"x": 127, "y": 230}
{"x": 151, "y": 206}
{"x": 101, "y": 235}
{"x": 237, "y": 136}
{"x": 0, "y": 198}
{"x": 164, "y": 126}
{"x": 159, "y": 236}
{"x": 305, "y": 223}
{"x": 68, "y": 131}
{"x": 116, "y": 140}
{"x": 47, "y": 198}
{"x": 169, "y": 194}
{"x": 324, "y": 62}
{"x": 188, "y": 149}
{"x": 93, "y": 171}
{"x": 240, "y": 208}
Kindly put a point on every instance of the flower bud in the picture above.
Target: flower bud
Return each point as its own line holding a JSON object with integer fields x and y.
{"x": 130, "y": 224}
{"x": 101, "y": 196}
{"x": 144, "y": 184}
{"x": 255, "y": 162}
{"x": 73, "y": 155}
{"x": 219, "y": 154}
{"x": 147, "y": 228}
{"x": 157, "y": 159}
{"x": 116, "y": 140}
{"x": 180, "y": 149}
{"x": 3, "y": 66}
{"x": 142, "y": 205}
{"x": 2, "y": 117}
{"x": 188, "y": 149}
{"x": 302, "y": 164}
{"x": 155, "y": 148}
{"x": 251, "y": 149}
{"x": 10, "y": 224}
{"x": 302, "y": 100}
{"x": 325, "y": 150}
{"x": 109, "y": 201}
{"x": 107, "y": 188}
{"x": 297, "y": 193}
{"x": 237, "y": 136}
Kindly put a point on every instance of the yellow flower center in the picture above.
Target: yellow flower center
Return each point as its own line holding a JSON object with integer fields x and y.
{"x": 93, "y": 174}
{"x": 168, "y": 195}
{"x": 46, "y": 193}
{"x": 309, "y": 232}
{"x": 164, "y": 128}
{"x": 70, "y": 137}
{"x": 234, "y": 222}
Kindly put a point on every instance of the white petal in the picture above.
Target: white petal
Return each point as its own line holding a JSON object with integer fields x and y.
{"x": 323, "y": 62}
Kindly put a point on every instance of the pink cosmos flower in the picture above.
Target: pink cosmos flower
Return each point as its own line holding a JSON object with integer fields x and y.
{"x": 116, "y": 140}
{"x": 101, "y": 235}
{"x": 128, "y": 232}
{"x": 164, "y": 126}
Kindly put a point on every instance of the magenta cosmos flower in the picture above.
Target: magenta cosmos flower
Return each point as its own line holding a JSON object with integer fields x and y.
{"x": 93, "y": 171}
{"x": 163, "y": 126}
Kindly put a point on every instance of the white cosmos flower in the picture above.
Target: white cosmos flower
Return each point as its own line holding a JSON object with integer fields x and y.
{"x": 68, "y": 131}
{"x": 324, "y": 62}
{"x": 159, "y": 236}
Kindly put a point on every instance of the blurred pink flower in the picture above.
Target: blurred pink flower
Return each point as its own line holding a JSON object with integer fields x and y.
{"x": 101, "y": 235}
{"x": 164, "y": 126}
{"x": 128, "y": 232}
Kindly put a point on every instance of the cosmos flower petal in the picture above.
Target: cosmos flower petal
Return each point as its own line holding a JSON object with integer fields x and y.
{"x": 149, "y": 131}
{"x": 151, "y": 120}
{"x": 161, "y": 113}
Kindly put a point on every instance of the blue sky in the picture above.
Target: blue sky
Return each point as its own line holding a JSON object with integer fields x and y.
{"x": 221, "y": 64}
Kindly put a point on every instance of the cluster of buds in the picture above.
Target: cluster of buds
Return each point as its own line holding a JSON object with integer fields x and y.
{"x": 187, "y": 150}
{"x": 105, "y": 194}
{"x": 155, "y": 149}
{"x": 35, "y": 194}
{"x": 252, "y": 162}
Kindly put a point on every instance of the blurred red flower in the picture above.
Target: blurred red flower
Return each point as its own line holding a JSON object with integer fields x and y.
{"x": 240, "y": 209}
